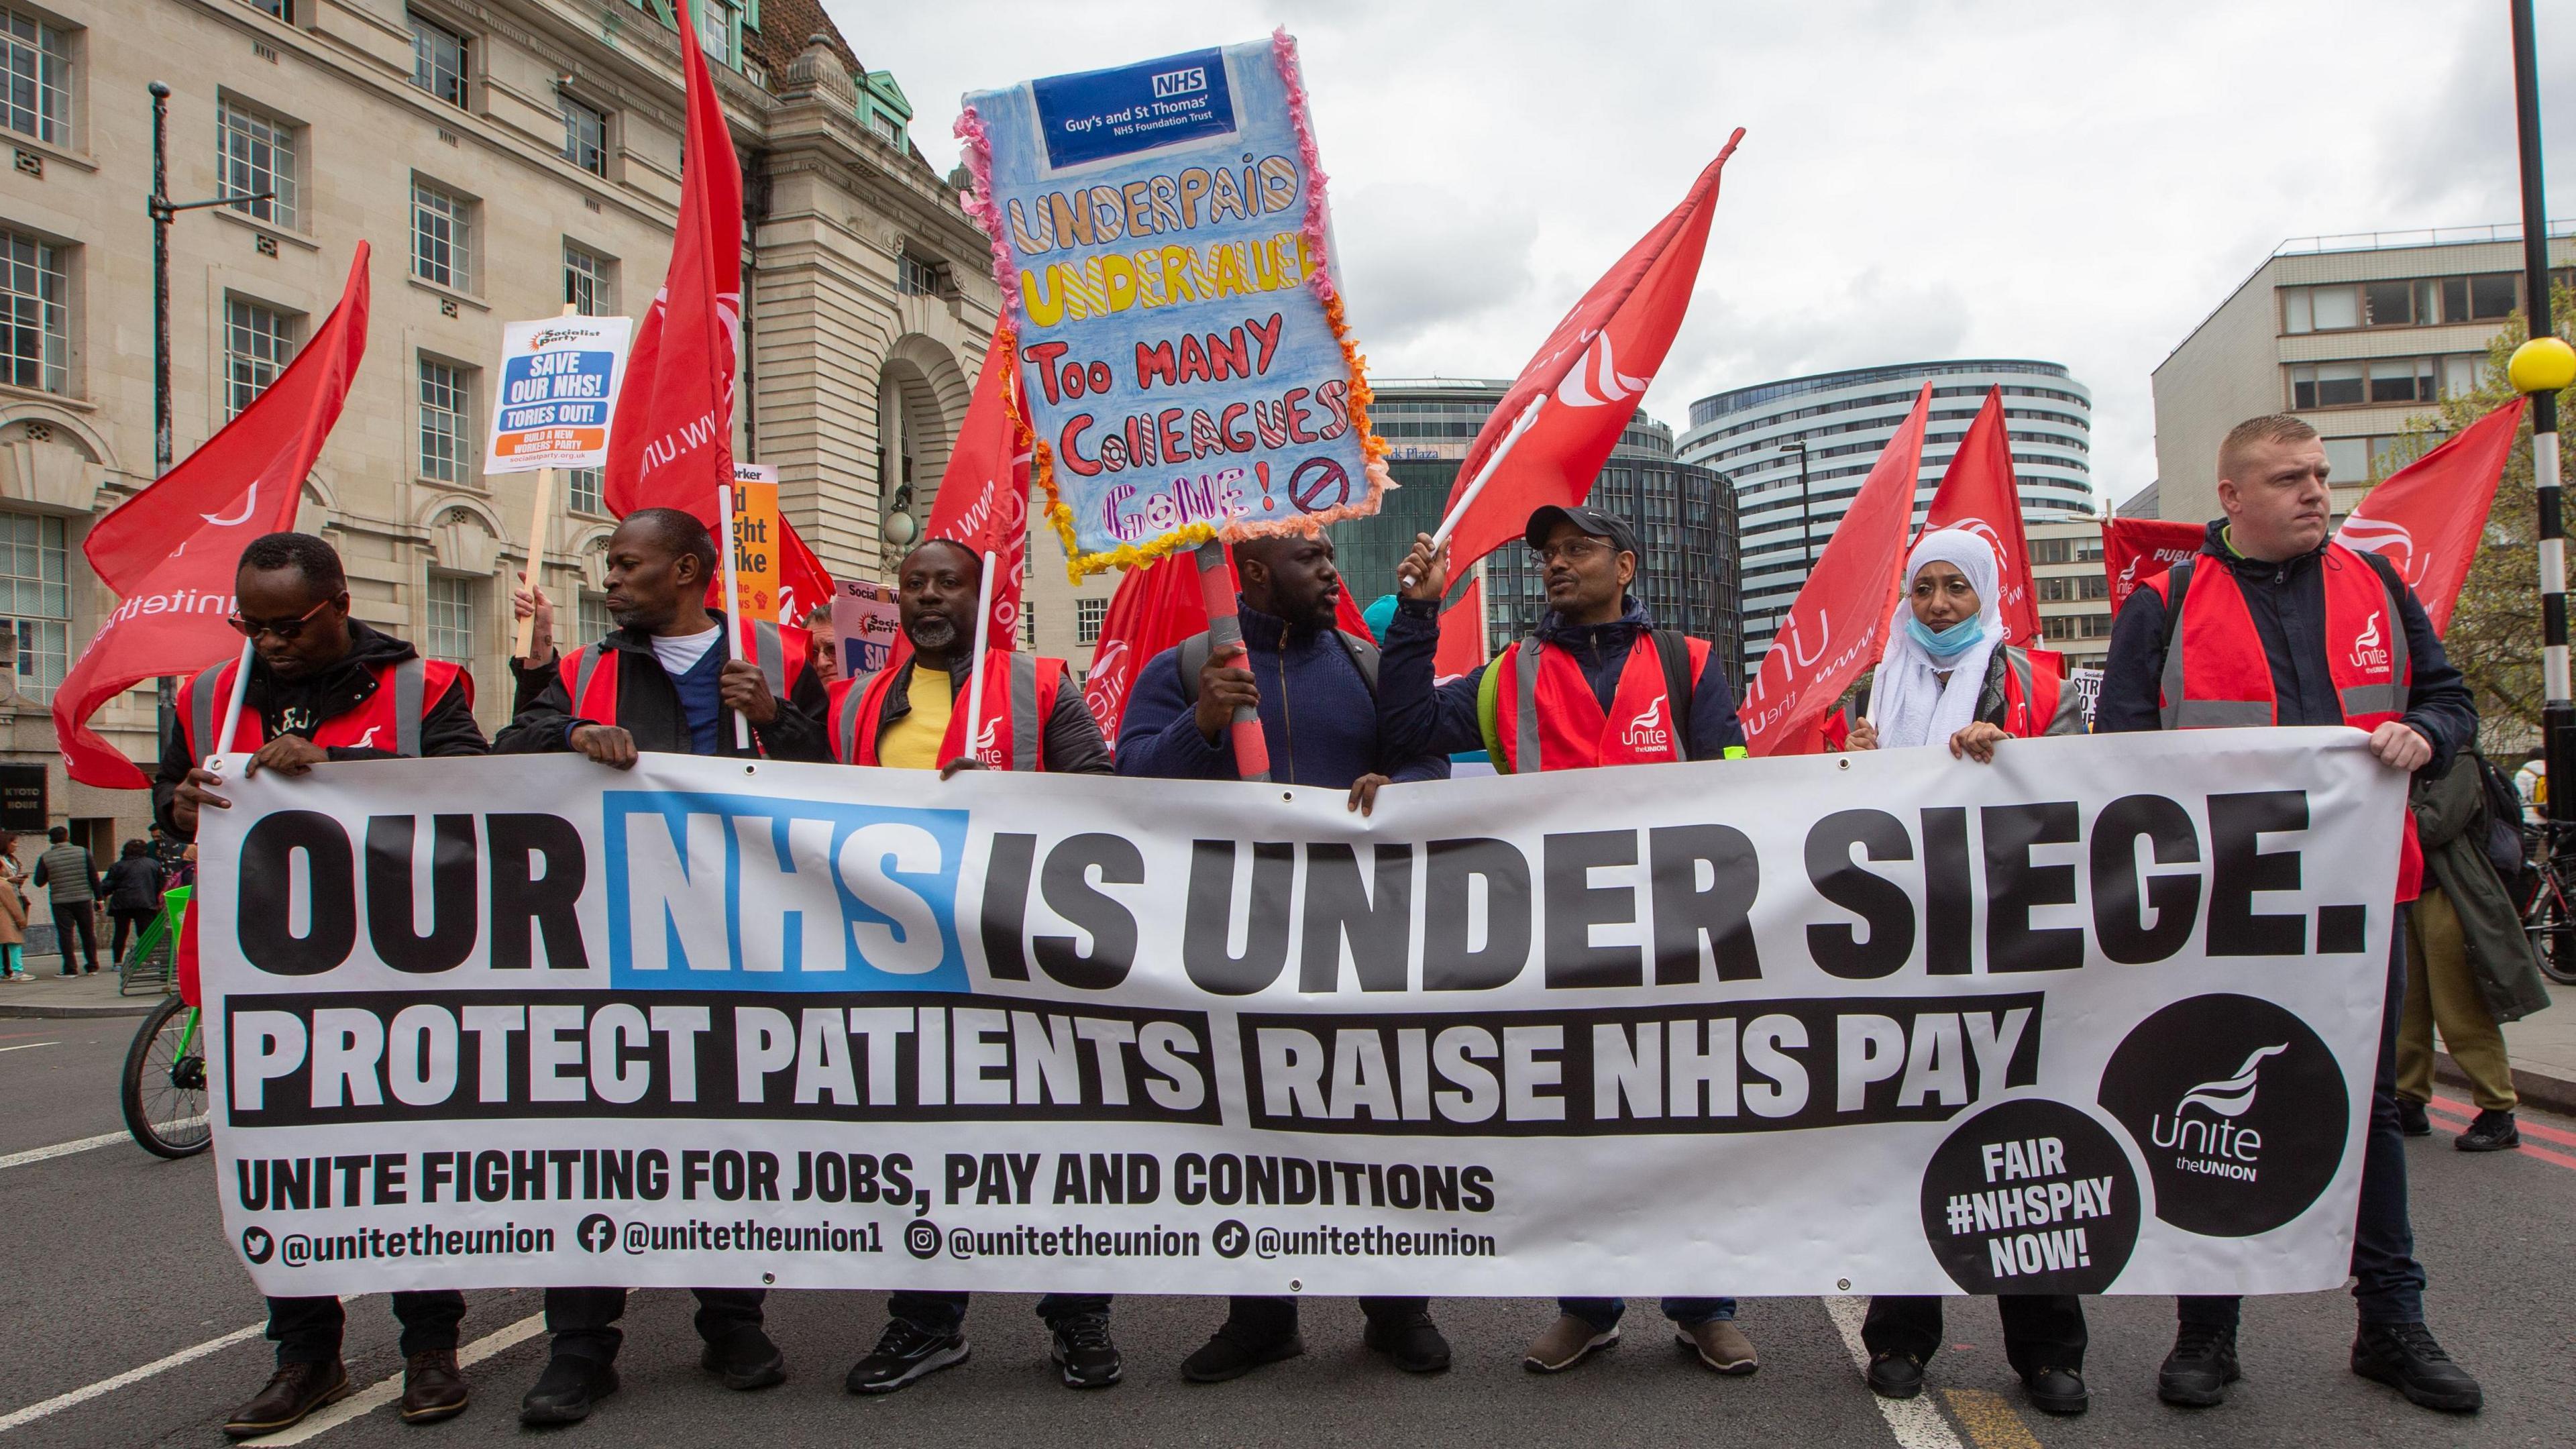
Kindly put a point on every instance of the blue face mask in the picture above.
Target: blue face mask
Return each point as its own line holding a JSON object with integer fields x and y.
{"x": 1946, "y": 643}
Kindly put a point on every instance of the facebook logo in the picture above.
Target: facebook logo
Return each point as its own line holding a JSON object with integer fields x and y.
{"x": 756, "y": 893}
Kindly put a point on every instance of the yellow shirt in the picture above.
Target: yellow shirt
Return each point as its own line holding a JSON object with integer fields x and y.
{"x": 913, "y": 743}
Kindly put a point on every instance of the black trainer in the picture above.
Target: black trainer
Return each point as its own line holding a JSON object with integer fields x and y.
{"x": 2491, "y": 1132}
{"x": 2405, "y": 1357}
{"x": 1083, "y": 1351}
{"x": 1234, "y": 1352}
{"x": 2412, "y": 1119}
{"x": 1895, "y": 1375}
{"x": 904, "y": 1352}
{"x": 746, "y": 1360}
{"x": 2203, "y": 1363}
{"x": 1412, "y": 1343}
{"x": 567, "y": 1391}
{"x": 2057, "y": 1391}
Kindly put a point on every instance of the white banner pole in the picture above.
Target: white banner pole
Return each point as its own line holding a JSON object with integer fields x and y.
{"x": 975, "y": 676}
{"x": 1467, "y": 500}
{"x": 733, "y": 604}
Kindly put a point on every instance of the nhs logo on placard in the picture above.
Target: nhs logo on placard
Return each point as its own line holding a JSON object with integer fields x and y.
{"x": 751, "y": 892}
{"x": 1180, "y": 82}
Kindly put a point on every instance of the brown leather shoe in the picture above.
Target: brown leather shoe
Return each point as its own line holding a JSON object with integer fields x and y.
{"x": 1720, "y": 1345}
{"x": 433, "y": 1389}
{"x": 295, "y": 1390}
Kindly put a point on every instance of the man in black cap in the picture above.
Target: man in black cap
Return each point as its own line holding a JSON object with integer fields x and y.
{"x": 1598, "y": 684}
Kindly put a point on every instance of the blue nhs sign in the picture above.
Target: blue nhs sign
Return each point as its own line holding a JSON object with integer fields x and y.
{"x": 753, "y": 892}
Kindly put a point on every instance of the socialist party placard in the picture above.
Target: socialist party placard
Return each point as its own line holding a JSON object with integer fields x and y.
{"x": 1164, "y": 246}
{"x": 2099, "y": 1017}
{"x": 556, "y": 393}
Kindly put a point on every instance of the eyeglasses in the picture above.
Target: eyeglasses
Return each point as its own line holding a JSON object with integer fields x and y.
{"x": 286, "y": 630}
{"x": 1572, "y": 550}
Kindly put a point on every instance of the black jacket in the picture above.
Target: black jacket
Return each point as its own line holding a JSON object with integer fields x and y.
{"x": 133, "y": 884}
{"x": 2288, "y": 602}
{"x": 1072, "y": 741}
{"x": 299, "y": 707}
{"x": 648, "y": 707}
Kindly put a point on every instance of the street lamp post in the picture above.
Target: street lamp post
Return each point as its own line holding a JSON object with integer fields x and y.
{"x": 2540, "y": 368}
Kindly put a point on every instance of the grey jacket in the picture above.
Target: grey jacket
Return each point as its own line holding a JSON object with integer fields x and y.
{"x": 2450, "y": 824}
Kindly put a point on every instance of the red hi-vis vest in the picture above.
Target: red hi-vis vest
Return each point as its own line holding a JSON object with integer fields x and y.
{"x": 590, "y": 676}
{"x": 2217, "y": 674}
{"x": 2032, "y": 693}
{"x": 388, "y": 719}
{"x": 1560, "y": 725}
{"x": 1019, "y": 699}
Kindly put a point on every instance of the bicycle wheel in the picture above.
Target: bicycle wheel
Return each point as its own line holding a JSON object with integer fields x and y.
{"x": 2552, "y": 928}
{"x": 165, "y": 1084}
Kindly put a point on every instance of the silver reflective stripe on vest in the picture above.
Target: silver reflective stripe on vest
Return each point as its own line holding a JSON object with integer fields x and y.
{"x": 201, "y": 711}
{"x": 2017, "y": 665}
{"x": 1025, "y": 723}
{"x": 2389, "y": 698}
{"x": 410, "y": 678}
{"x": 2172, "y": 684}
{"x": 1525, "y": 750}
{"x": 773, "y": 657}
{"x": 589, "y": 666}
{"x": 845, "y": 727}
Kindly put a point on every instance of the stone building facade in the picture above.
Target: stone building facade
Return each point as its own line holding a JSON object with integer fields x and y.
{"x": 504, "y": 157}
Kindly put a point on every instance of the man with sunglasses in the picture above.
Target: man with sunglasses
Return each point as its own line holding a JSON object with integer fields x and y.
{"x": 1598, "y": 684}
{"x": 323, "y": 687}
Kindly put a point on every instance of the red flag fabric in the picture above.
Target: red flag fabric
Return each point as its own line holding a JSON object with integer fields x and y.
{"x": 1838, "y": 626}
{"x": 1156, "y": 607}
{"x": 2427, "y": 517}
{"x": 2135, "y": 550}
{"x": 171, "y": 550}
{"x": 673, "y": 442}
{"x": 1977, "y": 494}
{"x": 1587, "y": 377}
{"x": 983, "y": 499}
{"x": 804, "y": 585}
{"x": 1461, "y": 650}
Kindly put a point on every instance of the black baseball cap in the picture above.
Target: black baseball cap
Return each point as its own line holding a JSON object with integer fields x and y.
{"x": 1543, "y": 521}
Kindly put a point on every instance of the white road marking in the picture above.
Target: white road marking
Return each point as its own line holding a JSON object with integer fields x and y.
{"x": 84, "y": 1144}
{"x": 60, "y": 1402}
{"x": 28, "y": 1046}
{"x": 1915, "y": 1422}
{"x": 368, "y": 1400}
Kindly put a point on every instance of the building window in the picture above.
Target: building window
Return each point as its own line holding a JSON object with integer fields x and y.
{"x": 2048, "y": 550}
{"x": 256, "y": 153}
{"x": 2327, "y": 385}
{"x": 720, "y": 32}
{"x": 35, "y": 78}
{"x": 451, "y": 618}
{"x": 590, "y": 282}
{"x": 258, "y": 341}
{"x": 279, "y": 9}
{"x": 591, "y": 620}
{"x": 586, "y": 486}
{"x": 1088, "y": 616}
{"x": 2347, "y": 459}
{"x": 1028, "y": 625}
{"x": 35, "y": 316}
{"x": 2098, "y": 626}
{"x": 915, "y": 277}
{"x": 2052, "y": 591}
{"x": 446, "y": 422}
{"x": 2417, "y": 302}
{"x": 38, "y": 600}
{"x": 2093, "y": 586}
{"x": 585, "y": 135}
{"x": 438, "y": 59}
{"x": 442, "y": 237}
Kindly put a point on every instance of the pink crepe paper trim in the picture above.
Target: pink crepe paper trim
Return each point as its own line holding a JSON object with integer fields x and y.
{"x": 980, "y": 205}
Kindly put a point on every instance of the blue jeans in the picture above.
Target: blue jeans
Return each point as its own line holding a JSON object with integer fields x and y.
{"x": 1603, "y": 1313}
{"x": 945, "y": 1313}
{"x": 2388, "y": 1284}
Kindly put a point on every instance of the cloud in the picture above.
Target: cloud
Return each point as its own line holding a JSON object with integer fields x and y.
{"x": 1422, "y": 262}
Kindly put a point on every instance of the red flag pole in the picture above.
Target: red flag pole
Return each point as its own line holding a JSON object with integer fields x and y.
{"x": 1225, "y": 640}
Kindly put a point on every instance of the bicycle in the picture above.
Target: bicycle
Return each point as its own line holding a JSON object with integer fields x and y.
{"x": 2549, "y": 917}
{"x": 163, "y": 1087}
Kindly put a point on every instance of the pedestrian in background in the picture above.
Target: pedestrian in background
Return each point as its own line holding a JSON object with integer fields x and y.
{"x": 13, "y": 912}
{"x": 66, "y": 870}
{"x": 133, "y": 889}
{"x": 2472, "y": 966}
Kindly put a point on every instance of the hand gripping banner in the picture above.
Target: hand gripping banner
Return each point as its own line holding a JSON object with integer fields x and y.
{"x": 2100, "y": 1017}
{"x": 1162, "y": 242}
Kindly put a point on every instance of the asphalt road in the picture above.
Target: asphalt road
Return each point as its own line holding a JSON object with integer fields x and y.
{"x": 116, "y": 1262}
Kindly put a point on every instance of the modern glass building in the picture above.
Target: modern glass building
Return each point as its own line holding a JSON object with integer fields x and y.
{"x": 1835, "y": 424}
{"x": 1684, "y": 515}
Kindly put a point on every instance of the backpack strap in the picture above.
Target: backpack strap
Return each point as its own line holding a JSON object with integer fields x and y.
{"x": 1672, "y": 651}
{"x": 1363, "y": 655}
{"x": 2177, "y": 589}
{"x": 201, "y": 708}
{"x": 1193, "y": 658}
{"x": 409, "y": 677}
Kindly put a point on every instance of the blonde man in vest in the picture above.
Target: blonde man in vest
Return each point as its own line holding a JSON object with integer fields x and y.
{"x": 2274, "y": 623}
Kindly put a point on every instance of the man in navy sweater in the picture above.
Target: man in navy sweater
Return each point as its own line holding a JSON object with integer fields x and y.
{"x": 1314, "y": 688}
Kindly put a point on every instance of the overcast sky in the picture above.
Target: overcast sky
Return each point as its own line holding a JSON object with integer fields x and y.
{"x": 1919, "y": 179}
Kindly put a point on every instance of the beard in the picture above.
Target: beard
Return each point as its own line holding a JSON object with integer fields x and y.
{"x": 933, "y": 633}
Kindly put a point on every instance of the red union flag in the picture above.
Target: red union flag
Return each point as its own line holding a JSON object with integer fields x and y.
{"x": 171, "y": 550}
{"x": 1977, "y": 494}
{"x": 1462, "y": 648}
{"x": 2427, "y": 518}
{"x": 1586, "y": 378}
{"x": 983, "y": 499}
{"x": 2135, "y": 550}
{"x": 1838, "y": 626}
{"x": 1156, "y": 607}
{"x": 673, "y": 439}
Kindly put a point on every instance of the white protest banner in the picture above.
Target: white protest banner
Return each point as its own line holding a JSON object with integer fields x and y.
{"x": 2100, "y": 1017}
{"x": 556, "y": 393}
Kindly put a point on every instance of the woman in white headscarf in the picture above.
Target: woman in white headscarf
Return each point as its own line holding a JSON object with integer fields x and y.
{"x": 1948, "y": 675}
